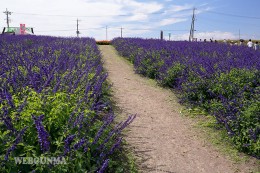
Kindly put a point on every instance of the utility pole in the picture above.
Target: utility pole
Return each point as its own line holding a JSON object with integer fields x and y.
{"x": 77, "y": 32}
{"x": 239, "y": 34}
{"x": 122, "y": 32}
{"x": 161, "y": 35}
{"x": 192, "y": 26}
{"x": 106, "y": 32}
{"x": 7, "y": 17}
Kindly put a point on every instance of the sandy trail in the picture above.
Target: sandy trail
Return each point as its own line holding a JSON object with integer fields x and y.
{"x": 162, "y": 139}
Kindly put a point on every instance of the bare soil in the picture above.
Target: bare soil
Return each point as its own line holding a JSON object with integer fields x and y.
{"x": 162, "y": 140}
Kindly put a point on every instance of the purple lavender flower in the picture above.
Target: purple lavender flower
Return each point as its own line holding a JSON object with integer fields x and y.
{"x": 129, "y": 120}
{"x": 43, "y": 136}
{"x": 7, "y": 121}
{"x": 79, "y": 144}
{"x": 78, "y": 120}
{"x": 104, "y": 166}
{"x": 19, "y": 110}
{"x": 68, "y": 142}
{"x": 253, "y": 134}
{"x": 107, "y": 122}
{"x": 59, "y": 67}
{"x": 115, "y": 146}
{"x": 9, "y": 99}
{"x": 111, "y": 133}
{"x": 17, "y": 140}
{"x": 102, "y": 155}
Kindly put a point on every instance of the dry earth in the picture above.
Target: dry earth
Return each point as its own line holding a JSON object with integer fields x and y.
{"x": 162, "y": 139}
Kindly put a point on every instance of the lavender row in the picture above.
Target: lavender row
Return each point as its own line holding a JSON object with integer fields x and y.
{"x": 221, "y": 79}
{"x": 54, "y": 103}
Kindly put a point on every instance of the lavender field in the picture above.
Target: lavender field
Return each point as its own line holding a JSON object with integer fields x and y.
{"x": 54, "y": 102}
{"x": 222, "y": 80}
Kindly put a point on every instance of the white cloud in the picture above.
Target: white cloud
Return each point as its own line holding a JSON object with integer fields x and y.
{"x": 215, "y": 35}
{"x": 142, "y": 7}
{"x": 177, "y": 8}
{"x": 137, "y": 17}
{"x": 171, "y": 21}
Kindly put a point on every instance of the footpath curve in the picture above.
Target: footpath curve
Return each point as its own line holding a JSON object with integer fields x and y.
{"x": 162, "y": 139}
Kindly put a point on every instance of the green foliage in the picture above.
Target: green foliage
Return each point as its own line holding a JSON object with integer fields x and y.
{"x": 57, "y": 109}
{"x": 233, "y": 99}
{"x": 150, "y": 64}
{"x": 248, "y": 129}
{"x": 54, "y": 103}
{"x": 215, "y": 133}
{"x": 123, "y": 162}
{"x": 172, "y": 74}
{"x": 195, "y": 90}
{"x": 231, "y": 83}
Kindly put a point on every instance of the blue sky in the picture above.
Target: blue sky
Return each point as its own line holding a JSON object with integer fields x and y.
{"x": 217, "y": 19}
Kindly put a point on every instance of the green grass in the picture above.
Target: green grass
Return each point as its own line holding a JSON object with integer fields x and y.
{"x": 124, "y": 161}
{"x": 216, "y": 135}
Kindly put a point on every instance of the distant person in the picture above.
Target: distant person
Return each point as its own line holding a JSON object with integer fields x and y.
{"x": 205, "y": 40}
{"x": 241, "y": 42}
{"x": 256, "y": 46}
{"x": 250, "y": 43}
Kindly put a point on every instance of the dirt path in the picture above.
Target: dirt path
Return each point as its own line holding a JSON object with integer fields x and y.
{"x": 162, "y": 140}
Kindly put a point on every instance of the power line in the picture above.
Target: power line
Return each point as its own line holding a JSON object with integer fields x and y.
{"x": 129, "y": 14}
{"x": 216, "y": 22}
{"x": 60, "y": 15}
{"x": 93, "y": 28}
{"x": 176, "y": 30}
{"x": 112, "y": 15}
{"x": 129, "y": 29}
{"x": 115, "y": 15}
{"x": 57, "y": 30}
{"x": 166, "y": 30}
{"x": 233, "y": 15}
